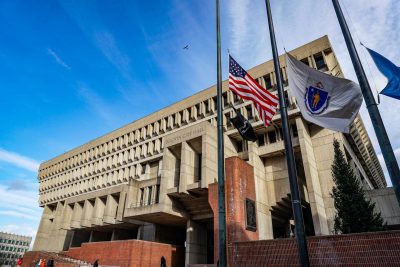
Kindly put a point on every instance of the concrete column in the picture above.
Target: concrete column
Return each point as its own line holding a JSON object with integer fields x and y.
{"x": 111, "y": 210}
{"x": 196, "y": 243}
{"x": 67, "y": 216}
{"x": 44, "y": 230}
{"x": 312, "y": 178}
{"x": 87, "y": 214}
{"x": 208, "y": 160}
{"x": 76, "y": 216}
{"x": 265, "y": 229}
{"x": 187, "y": 167}
{"x": 121, "y": 203}
{"x": 63, "y": 236}
{"x": 98, "y": 212}
{"x": 167, "y": 173}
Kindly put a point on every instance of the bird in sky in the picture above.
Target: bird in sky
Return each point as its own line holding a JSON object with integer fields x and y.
{"x": 186, "y": 47}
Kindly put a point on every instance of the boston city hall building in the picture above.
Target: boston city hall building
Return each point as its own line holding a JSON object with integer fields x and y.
{"x": 153, "y": 182}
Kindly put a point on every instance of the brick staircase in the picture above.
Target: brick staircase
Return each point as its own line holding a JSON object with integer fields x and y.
{"x": 63, "y": 259}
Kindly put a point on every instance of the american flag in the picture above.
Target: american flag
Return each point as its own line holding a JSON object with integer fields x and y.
{"x": 241, "y": 83}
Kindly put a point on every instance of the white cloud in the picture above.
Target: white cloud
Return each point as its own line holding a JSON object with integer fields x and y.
{"x": 20, "y": 203}
{"x": 58, "y": 59}
{"x": 107, "y": 44}
{"x": 19, "y": 210}
{"x": 19, "y": 160}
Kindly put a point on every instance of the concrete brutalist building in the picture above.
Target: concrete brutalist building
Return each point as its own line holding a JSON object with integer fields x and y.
{"x": 149, "y": 180}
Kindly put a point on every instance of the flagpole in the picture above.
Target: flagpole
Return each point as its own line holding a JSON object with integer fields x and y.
{"x": 221, "y": 158}
{"x": 294, "y": 187}
{"x": 377, "y": 123}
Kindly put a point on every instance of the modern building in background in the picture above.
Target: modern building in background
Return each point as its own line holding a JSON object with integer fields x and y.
{"x": 12, "y": 247}
{"x": 152, "y": 179}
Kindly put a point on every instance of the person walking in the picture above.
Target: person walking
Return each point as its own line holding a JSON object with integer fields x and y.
{"x": 43, "y": 263}
{"x": 19, "y": 262}
{"x": 50, "y": 263}
{"x": 96, "y": 263}
{"x": 163, "y": 262}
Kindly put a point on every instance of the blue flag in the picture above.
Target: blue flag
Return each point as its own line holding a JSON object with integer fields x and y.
{"x": 392, "y": 73}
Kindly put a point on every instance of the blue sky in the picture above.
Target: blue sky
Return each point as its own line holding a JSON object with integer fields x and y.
{"x": 72, "y": 71}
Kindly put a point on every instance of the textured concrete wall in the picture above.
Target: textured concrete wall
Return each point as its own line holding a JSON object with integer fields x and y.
{"x": 386, "y": 203}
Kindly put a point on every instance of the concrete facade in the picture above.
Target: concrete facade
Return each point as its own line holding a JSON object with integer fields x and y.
{"x": 149, "y": 180}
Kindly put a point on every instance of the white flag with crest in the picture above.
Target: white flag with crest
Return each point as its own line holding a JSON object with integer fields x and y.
{"x": 323, "y": 99}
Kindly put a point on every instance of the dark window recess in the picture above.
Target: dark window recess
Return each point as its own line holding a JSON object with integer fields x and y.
{"x": 235, "y": 98}
{"x": 228, "y": 121}
{"x": 261, "y": 139}
{"x": 141, "y": 196}
{"x": 268, "y": 82}
{"x": 157, "y": 193}
{"x": 143, "y": 169}
{"x": 294, "y": 130}
{"x": 149, "y": 196}
{"x": 272, "y": 137}
{"x": 287, "y": 99}
{"x": 239, "y": 146}
{"x": 249, "y": 113}
{"x": 319, "y": 62}
{"x": 305, "y": 61}
{"x": 225, "y": 99}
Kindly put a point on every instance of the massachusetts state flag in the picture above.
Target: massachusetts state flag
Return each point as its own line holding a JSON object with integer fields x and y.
{"x": 241, "y": 83}
{"x": 323, "y": 99}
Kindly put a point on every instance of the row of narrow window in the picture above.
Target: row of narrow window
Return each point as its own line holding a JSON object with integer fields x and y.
{"x": 91, "y": 184}
{"x": 101, "y": 181}
{"x": 106, "y": 163}
{"x": 182, "y": 117}
{"x": 316, "y": 61}
{"x": 14, "y": 242}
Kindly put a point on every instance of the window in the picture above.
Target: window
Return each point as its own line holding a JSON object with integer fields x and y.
{"x": 141, "y": 196}
{"x": 294, "y": 130}
{"x": 225, "y": 99}
{"x": 149, "y": 198}
{"x": 272, "y": 137}
{"x": 249, "y": 112}
{"x": 319, "y": 62}
{"x": 228, "y": 121}
{"x": 287, "y": 99}
{"x": 305, "y": 61}
{"x": 268, "y": 82}
{"x": 239, "y": 146}
{"x": 157, "y": 193}
{"x": 260, "y": 139}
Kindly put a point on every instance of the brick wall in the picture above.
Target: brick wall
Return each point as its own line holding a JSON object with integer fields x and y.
{"x": 32, "y": 257}
{"x": 129, "y": 253}
{"x": 366, "y": 249}
{"x": 239, "y": 185}
{"x": 124, "y": 253}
